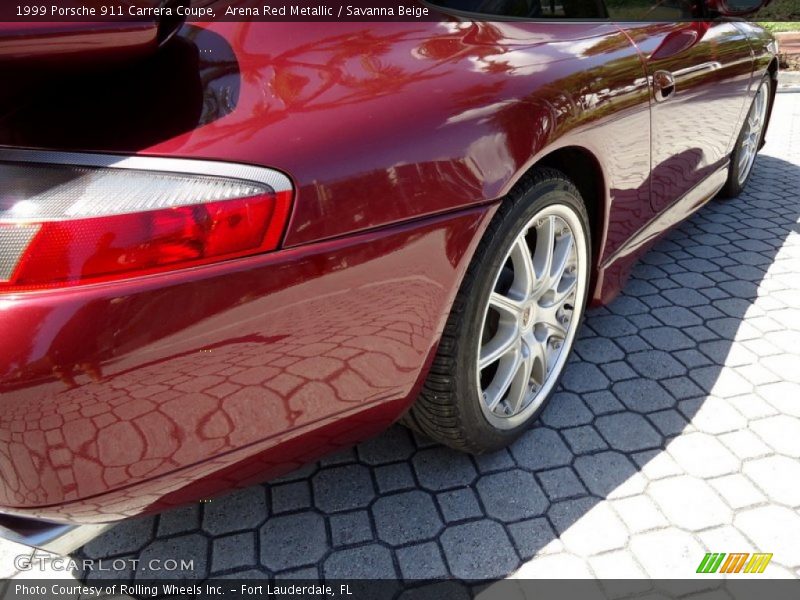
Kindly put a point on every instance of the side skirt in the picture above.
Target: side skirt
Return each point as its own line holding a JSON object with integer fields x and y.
{"x": 613, "y": 271}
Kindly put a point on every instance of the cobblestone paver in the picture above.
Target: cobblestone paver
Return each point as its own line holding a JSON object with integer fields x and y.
{"x": 676, "y": 432}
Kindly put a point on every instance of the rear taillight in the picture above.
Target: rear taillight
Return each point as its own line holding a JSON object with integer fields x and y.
{"x": 73, "y": 218}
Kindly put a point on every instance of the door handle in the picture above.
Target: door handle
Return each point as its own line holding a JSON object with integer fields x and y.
{"x": 681, "y": 39}
{"x": 663, "y": 85}
{"x": 702, "y": 68}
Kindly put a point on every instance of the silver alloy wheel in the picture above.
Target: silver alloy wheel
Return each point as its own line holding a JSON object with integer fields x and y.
{"x": 756, "y": 119}
{"x": 531, "y": 317}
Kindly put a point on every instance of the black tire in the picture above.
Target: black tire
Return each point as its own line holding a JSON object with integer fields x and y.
{"x": 448, "y": 409}
{"x": 735, "y": 185}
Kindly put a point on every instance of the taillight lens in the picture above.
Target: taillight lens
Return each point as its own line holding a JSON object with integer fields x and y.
{"x": 63, "y": 224}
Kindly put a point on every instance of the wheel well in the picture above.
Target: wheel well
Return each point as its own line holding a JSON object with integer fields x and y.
{"x": 583, "y": 169}
{"x": 773, "y": 68}
{"x": 773, "y": 74}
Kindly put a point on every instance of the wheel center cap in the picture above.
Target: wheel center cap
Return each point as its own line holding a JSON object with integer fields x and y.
{"x": 526, "y": 316}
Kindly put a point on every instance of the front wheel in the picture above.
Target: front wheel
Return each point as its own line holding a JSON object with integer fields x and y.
{"x": 749, "y": 142}
{"x": 514, "y": 320}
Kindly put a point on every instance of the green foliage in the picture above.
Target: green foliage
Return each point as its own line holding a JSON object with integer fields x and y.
{"x": 782, "y": 10}
{"x": 777, "y": 26}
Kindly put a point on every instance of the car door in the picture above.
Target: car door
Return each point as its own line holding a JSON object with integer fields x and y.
{"x": 699, "y": 74}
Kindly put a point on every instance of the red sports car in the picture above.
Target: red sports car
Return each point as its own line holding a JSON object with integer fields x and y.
{"x": 225, "y": 256}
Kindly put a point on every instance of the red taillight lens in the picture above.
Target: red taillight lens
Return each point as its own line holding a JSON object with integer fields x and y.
{"x": 64, "y": 225}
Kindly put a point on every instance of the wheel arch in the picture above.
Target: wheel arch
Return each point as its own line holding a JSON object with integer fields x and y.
{"x": 581, "y": 166}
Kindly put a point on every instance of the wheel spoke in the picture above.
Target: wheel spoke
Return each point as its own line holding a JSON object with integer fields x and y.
{"x": 506, "y": 371}
{"x": 744, "y": 159}
{"x": 521, "y": 384}
{"x": 502, "y": 343}
{"x": 523, "y": 268}
{"x": 538, "y": 361}
{"x": 505, "y": 306}
{"x": 561, "y": 257}
{"x": 555, "y": 328}
{"x": 543, "y": 254}
{"x": 564, "y": 290}
{"x": 761, "y": 106}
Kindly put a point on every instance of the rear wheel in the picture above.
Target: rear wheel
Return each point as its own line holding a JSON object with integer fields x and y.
{"x": 514, "y": 320}
{"x": 749, "y": 142}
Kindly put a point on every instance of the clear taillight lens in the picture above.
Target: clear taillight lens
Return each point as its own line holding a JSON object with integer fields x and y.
{"x": 64, "y": 224}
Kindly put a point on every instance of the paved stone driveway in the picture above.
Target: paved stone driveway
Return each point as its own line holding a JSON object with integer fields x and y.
{"x": 677, "y": 432}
